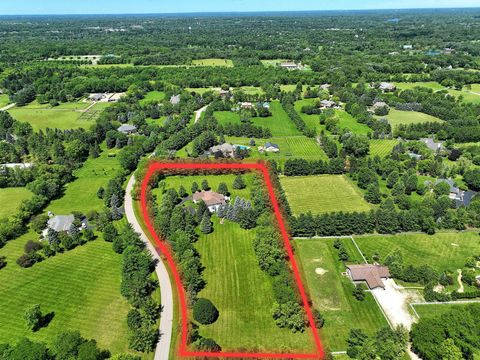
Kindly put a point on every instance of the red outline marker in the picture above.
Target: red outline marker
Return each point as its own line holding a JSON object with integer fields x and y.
{"x": 183, "y": 349}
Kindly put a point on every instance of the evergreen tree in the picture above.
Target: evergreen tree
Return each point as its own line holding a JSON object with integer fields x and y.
{"x": 239, "y": 183}
{"x": 195, "y": 187}
{"x": 182, "y": 192}
{"x": 223, "y": 189}
{"x": 205, "y": 185}
{"x": 201, "y": 209}
{"x": 206, "y": 223}
{"x": 373, "y": 195}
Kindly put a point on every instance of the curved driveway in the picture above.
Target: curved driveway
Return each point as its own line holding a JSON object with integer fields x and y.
{"x": 166, "y": 319}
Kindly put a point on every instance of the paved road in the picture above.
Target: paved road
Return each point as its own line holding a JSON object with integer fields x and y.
{"x": 8, "y": 107}
{"x": 166, "y": 320}
{"x": 199, "y": 112}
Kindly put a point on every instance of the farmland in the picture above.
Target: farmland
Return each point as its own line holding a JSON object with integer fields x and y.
{"x": 332, "y": 193}
{"x": 331, "y": 292}
{"x": 63, "y": 117}
{"x": 10, "y": 198}
{"x": 443, "y": 251}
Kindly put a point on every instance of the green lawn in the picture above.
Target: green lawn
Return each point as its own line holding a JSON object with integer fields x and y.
{"x": 435, "y": 310}
{"x": 312, "y": 121}
{"x": 10, "y": 198}
{"x": 272, "y": 62}
{"x": 81, "y": 287}
{"x": 322, "y": 194}
{"x": 243, "y": 294}
{"x": 200, "y": 91}
{"x": 331, "y": 292}
{"x": 65, "y": 116}
{"x": 397, "y": 117}
{"x": 382, "y": 147}
{"x": 153, "y": 96}
{"x": 442, "y": 251}
{"x": 81, "y": 194}
{"x": 252, "y": 90}
{"x": 213, "y": 62}
{"x": 347, "y": 121}
{"x": 428, "y": 84}
{"x": 4, "y": 101}
{"x": 468, "y": 96}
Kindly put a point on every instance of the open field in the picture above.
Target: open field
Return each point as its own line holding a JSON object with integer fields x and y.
{"x": 4, "y": 101}
{"x": 10, "y": 198}
{"x": 442, "y": 251}
{"x": 213, "y": 62}
{"x": 81, "y": 287}
{"x": 81, "y": 194}
{"x": 153, "y": 96}
{"x": 382, "y": 147}
{"x": 322, "y": 194}
{"x": 243, "y": 294}
{"x": 312, "y": 121}
{"x": 397, "y": 117}
{"x": 428, "y": 84}
{"x": 200, "y": 91}
{"x": 347, "y": 121}
{"x": 468, "y": 96}
{"x": 65, "y": 116}
{"x": 435, "y": 310}
{"x": 331, "y": 292}
{"x": 272, "y": 62}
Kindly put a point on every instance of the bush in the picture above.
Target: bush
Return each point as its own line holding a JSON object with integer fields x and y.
{"x": 205, "y": 312}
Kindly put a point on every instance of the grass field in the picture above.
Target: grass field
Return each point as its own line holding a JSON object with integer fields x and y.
{"x": 468, "y": 96}
{"x": 435, "y": 310}
{"x": 153, "y": 96}
{"x": 397, "y": 117}
{"x": 322, "y": 194}
{"x": 272, "y": 62}
{"x": 200, "y": 91}
{"x": 10, "y": 198}
{"x": 213, "y": 62}
{"x": 442, "y": 251}
{"x": 382, "y": 147}
{"x": 347, "y": 121}
{"x": 312, "y": 121}
{"x": 428, "y": 84}
{"x": 331, "y": 292}
{"x": 4, "y": 101}
{"x": 243, "y": 294}
{"x": 65, "y": 116}
{"x": 81, "y": 287}
{"x": 81, "y": 194}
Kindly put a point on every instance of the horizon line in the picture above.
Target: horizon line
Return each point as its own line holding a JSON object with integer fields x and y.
{"x": 243, "y": 11}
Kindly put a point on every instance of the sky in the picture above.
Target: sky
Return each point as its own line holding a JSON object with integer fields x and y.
{"x": 28, "y": 7}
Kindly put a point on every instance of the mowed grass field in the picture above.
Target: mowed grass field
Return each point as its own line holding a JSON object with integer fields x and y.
{"x": 243, "y": 294}
{"x": 435, "y": 86}
{"x": 153, "y": 96}
{"x": 4, "y": 101}
{"x": 10, "y": 198}
{"x": 470, "y": 95}
{"x": 382, "y": 147}
{"x": 81, "y": 287}
{"x": 81, "y": 194}
{"x": 213, "y": 62}
{"x": 397, "y": 117}
{"x": 312, "y": 121}
{"x": 65, "y": 116}
{"x": 442, "y": 251}
{"x": 323, "y": 194}
{"x": 331, "y": 292}
{"x": 435, "y": 310}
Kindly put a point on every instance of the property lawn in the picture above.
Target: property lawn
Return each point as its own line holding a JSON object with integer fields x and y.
{"x": 81, "y": 194}
{"x": 81, "y": 287}
{"x": 428, "y": 84}
{"x": 10, "y": 198}
{"x": 331, "y": 292}
{"x": 397, "y": 117}
{"x": 200, "y": 91}
{"x": 213, "y": 62}
{"x": 273, "y": 62}
{"x": 252, "y": 90}
{"x": 442, "y": 251}
{"x": 382, "y": 147}
{"x": 65, "y": 116}
{"x": 312, "y": 121}
{"x": 468, "y": 96}
{"x": 243, "y": 295}
{"x": 435, "y": 310}
{"x": 153, "y": 95}
{"x": 4, "y": 101}
{"x": 323, "y": 194}
{"x": 347, "y": 121}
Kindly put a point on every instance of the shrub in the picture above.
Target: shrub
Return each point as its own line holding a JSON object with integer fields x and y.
{"x": 205, "y": 312}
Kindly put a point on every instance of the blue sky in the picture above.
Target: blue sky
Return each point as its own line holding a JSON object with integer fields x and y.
{"x": 9, "y": 7}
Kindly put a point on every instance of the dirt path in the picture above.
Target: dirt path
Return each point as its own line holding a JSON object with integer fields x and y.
{"x": 459, "y": 280}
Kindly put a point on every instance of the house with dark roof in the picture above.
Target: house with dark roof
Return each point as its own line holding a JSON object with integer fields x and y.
{"x": 269, "y": 147}
{"x": 373, "y": 275}
{"x": 432, "y": 144}
{"x": 212, "y": 199}
{"x": 461, "y": 197}
{"x": 97, "y": 97}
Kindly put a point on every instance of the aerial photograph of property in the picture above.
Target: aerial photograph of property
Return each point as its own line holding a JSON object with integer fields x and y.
{"x": 240, "y": 179}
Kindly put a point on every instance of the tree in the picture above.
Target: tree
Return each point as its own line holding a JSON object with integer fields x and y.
{"x": 318, "y": 319}
{"x": 358, "y": 293}
{"x": 247, "y": 218}
{"x": 289, "y": 315}
{"x": 472, "y": 179}
{"x": 223, "y": 189}
{"x": 27, "y": 350}
{"x": 195, "y": 187}
{"x": 239, "y": 183}
{"x": 206, "y": 223}
{"x": 33, "y": 317}
{"x": 208, "y": 345}
{"x": 39, "y": 223}
{"x": 109, "y": 232}
{"x": 205, "y": 312}
{"x": 373, "y": 195}
{"x": 205, "y": 185}
{"x": 182, "y": 192}
{"x": 65, "y": 345}
{"x": 450, "y": 351}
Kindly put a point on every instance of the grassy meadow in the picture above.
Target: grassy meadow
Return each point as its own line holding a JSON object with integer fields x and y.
{"x": 397, "y": 117}
{"x": 153, "y": 96}
{"x": 323, "y": 194}
{"x": 213, "y": 62}
{"x": 382, "y": 147}
{"x": 4, "y": 101}
{"x": 331, "y": 292}
{"x": 10, "y": 198}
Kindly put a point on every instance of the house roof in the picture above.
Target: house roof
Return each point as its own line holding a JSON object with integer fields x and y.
{"x": 387, "y": 86}
{"x": 380, "y": 104}
{"x": 61, "y": 223}
{"x": 210, "y": 198}
{"x": 371, "y": 274}
{"x": 327, "y": 103}
{"x": 269, "y": 144}
{"x": 466, "y": 199}
{"x": 96, "y": 97}
{"x": 431, "y": 144}
{"x": 224, "y": 148}
{"x": 175, "y": 99}
{"x": 126, "y": 128}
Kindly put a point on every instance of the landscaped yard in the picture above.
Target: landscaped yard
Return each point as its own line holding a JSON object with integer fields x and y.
{"x": 81, "y": 194}
{"x": 81, "y": 287}
{"x": 397, "y": 117}
{"x": 213, "y": 62}
{"x": 10, "y": 198}
{"x": 331, "y": 292}
{"x": 442, "y": 251}
{"x": 382, "y": 147}
{"x": 322, "y": 194}
{"x": 65, "y": 116}
{"x": 153, "y": 95}
{"x": 428, "y": 84}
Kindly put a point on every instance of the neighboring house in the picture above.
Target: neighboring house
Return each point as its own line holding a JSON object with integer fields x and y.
{"x": 461, "y": 197}
{"x": 327, "y": 104}
{"x": 269, "y": 147}
{"x": 290, "y": 65}
{"x": 448, "y": 51}
{"x": 432, "y": 144}
{"x": 96, "y": 97}
{"x": 127, "y": 129}
{"x": 225, "y": 94}
{"x": 379, "y": 105}
{"x": 265, "y": 105}
{"x": 246, "y": 105}
{"x": 175, "y": 99}
{"x": 226, "y": 149}
{"x": 407, "y": 47}
{"x": 415, "y": 156}
{"x": 59, "y": 223}
{"x": 325, "y": 87}
{"x": 17, "y": 165}
{"x": 373, "y": 275}
{"x": 212, "y": 199}
{"x": 387, "y": 87}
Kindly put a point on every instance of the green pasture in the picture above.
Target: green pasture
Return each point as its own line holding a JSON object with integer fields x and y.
{"x": 435, "y": 310}
{"x": 4, "y": 100}
{"x": 435, "y": 86}
{"x": 153, "y": 96}
{"x": 213, "y": 62}
{"x": 10, "y": 198}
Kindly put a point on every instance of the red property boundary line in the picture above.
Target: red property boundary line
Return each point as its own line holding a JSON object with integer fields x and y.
{"x": 155, "y": 167}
